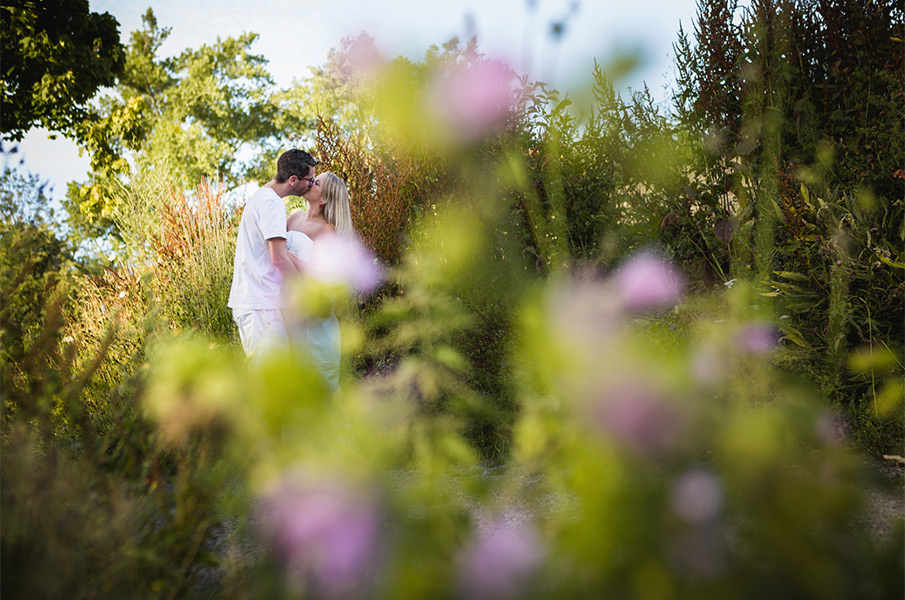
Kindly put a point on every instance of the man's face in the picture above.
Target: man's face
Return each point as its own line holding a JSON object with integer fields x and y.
{"x": 304, "y": 184}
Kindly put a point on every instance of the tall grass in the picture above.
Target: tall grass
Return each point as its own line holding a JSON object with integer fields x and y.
{"x": 186, "y": 241}
{"x": 387, "y": 189}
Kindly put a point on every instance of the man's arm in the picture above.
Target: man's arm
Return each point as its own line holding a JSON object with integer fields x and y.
{"x": 280, "y": 257}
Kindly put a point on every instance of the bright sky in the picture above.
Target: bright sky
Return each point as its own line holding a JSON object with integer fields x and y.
{"x": 295, "y": 35}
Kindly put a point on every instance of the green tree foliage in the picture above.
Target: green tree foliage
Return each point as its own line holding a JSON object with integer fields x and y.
{"x": 602, "y": 182}
{"x": 337, "y": 90}
{"x": 56, "y": 54}
{"x": 205, "y": 114}
{"x": 33, "y": 256}
{"x": 793, "y": 112}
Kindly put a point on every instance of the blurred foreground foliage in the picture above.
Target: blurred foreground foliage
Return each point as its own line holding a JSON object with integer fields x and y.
{"x": 616, "y": 352}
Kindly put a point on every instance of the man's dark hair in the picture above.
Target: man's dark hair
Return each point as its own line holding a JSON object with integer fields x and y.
{"x": 294, "y": 162}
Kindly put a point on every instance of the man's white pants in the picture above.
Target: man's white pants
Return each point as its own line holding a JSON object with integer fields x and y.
{"x": 262, "y": 332}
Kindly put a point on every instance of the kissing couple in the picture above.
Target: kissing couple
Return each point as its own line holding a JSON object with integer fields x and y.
{"x": 273, "y": 250}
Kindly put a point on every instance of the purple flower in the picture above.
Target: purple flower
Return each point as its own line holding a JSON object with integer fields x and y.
{"x": 345, "y": 260}
{"x": 326, "y": 533}
{"x": 830, "y": 429}
{"x": 638, "y": 416}
{"x": 476, "y": 98}
{"x": 647, "y": 282}
{"x": 756, "y": 338}
{"x": 500, "y": 560}
{"x": 697, "y": 496}
{"x": 698, "y": 549}
{"x": 359, "y": 59}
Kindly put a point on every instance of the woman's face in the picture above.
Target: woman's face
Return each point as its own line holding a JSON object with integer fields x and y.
{"x": 316, "y": 191}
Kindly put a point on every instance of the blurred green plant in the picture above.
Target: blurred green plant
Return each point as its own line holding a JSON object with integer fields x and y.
{"x": 93, "y": 502}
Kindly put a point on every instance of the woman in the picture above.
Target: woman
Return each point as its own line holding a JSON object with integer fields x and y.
{"x": 327, "y": 214}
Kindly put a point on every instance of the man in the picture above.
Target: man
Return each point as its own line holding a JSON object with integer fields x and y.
{"x": 262, "y": 261}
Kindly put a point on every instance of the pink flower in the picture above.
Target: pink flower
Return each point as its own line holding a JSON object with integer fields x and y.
{"x": 830, "y": 429}
{"x": 326, "y": 533}
{"x": 476, "y": 98}
{"x": 585, "y": 310}
{"x": 345, "y": 260}
{"x": 756, "y": 338}
{"x": 500, "y": 560}
{"x": 358, "y": 59}
{"x": 647, "y": 282}
{"x": 697, "y": 496}
{"x": 708, "y": 365}
{"x": 638, "y": 416}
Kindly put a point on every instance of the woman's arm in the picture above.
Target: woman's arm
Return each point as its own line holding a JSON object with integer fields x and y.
{"x": 280, "y": 257}
{"x": 300, "y": 265}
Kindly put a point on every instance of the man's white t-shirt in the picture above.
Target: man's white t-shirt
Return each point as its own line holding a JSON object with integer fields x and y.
{"x": 256, "y": 282}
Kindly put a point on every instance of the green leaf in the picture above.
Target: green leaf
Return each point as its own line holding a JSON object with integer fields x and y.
{"x": 891, "y": 263}
{"x": 793, "y": 276}
{"x": 795, "y": 336}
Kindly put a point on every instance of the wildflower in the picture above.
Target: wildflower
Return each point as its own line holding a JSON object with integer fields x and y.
{"x": 476, "y": 98}
{"x": 830, "y": 429}
{"x": 585, "y": 310}
{"x": 638, "y": 416}
{"x": 697, "y": 496}
{"x": 756, "y": 338}
{"x": 346, "y": 261}
{"x": 359, "y": 60}
{"x": 708, "y": 365}
{"x": 326, "y": 533}
{"x": 647, "y": 282}
{"x": 500, "y": 560}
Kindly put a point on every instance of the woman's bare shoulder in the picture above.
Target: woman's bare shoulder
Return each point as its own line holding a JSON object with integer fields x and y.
{"x": 295, "y": 220}
{"x": 321, "y": 229}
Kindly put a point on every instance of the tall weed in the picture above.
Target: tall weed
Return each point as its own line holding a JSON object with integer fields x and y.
{"x": 185, "y": 241}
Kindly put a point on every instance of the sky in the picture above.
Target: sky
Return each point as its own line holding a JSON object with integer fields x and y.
{"x": 295, "y": 35}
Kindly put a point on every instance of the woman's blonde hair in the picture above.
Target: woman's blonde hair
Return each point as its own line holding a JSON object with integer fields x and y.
{"x": 336, "y": 204}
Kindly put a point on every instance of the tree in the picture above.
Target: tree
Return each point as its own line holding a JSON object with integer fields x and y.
{"x": 205, "y": 114}
{"x": 56, "y": 54}
{"x": 33, "y": 256}
{"x": 337, "y": 89}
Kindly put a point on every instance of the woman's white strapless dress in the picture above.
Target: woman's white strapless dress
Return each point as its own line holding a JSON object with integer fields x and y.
{"x": 320, "y": 338}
